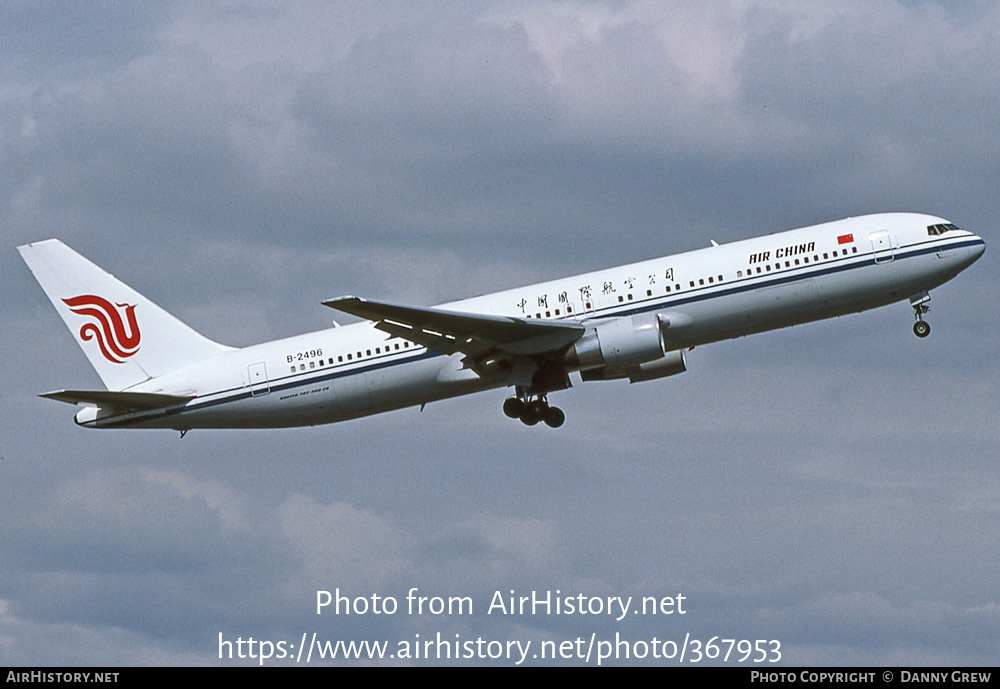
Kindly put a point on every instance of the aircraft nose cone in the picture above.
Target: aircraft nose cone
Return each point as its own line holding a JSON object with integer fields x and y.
{"x": 976, "y": 250}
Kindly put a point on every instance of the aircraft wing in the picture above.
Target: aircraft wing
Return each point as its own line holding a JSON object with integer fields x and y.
{"x": 454, "y": 331}
{"x": 119, "y": 401}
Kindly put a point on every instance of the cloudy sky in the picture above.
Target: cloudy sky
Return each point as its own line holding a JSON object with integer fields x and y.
{"x": 833, "y": 486}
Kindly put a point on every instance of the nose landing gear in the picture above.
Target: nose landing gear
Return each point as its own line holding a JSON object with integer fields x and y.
{"x": 919, "y": 303}
{"x": 531, "y": 411}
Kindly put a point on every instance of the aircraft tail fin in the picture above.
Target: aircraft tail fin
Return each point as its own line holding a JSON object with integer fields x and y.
{"x": 127, "y": 338}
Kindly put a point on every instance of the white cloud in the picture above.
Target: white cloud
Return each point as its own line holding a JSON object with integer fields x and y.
{"x": 246, "y": 160}
{"x": 340, "y": 545}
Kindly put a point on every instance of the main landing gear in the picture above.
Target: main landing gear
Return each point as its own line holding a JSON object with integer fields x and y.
{"x": 919, "y": 303}
{"x": 531, "y": 411}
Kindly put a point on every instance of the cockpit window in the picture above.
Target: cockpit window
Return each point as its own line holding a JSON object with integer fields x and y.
{"x": 940, "y": 229}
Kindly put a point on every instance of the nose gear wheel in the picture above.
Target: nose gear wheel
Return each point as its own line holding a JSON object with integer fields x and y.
{"x": 919, "y": 303}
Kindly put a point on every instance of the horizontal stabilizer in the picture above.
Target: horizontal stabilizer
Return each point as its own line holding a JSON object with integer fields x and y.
{"x": 119, "y": 401}
{"x": 454, "y": 331}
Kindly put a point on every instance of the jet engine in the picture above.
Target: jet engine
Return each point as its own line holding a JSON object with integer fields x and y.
{"x": 670, "y": 364}
{"x": 630, "y": 347}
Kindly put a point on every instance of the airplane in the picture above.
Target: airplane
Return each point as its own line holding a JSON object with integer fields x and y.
{"x": 633, "y": 322}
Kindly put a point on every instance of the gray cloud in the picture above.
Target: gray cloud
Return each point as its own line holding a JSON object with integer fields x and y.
{"x": 830, "y": 485}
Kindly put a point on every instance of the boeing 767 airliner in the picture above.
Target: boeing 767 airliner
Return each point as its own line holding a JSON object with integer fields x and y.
{"x": 632, "y": 322}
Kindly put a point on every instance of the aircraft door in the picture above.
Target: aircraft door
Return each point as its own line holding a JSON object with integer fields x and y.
{"x": 881, "y": 246}
{"x": 257, "y": 374}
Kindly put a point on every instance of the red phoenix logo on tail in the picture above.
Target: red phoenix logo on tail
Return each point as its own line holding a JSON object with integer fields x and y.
{"x": 115, "y": 342}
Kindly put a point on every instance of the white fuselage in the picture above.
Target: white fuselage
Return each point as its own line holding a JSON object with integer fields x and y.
{"x": 702, "y": 296}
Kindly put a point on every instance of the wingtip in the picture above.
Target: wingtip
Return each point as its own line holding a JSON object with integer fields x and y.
{"x": 336, "y": 301}
{"x": 31, "y": 245}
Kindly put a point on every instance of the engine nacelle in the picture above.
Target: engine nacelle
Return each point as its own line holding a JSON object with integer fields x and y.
{"x": 670, "y": 364}
{"x": 618, "y": 344}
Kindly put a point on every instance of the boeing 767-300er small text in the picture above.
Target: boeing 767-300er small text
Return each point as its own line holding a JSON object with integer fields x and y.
{"x": 632, "y": 322}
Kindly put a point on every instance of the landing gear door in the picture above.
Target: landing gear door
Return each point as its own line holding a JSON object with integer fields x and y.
{"x": 881, "y": 246}
{"x": 258, "y": 379}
